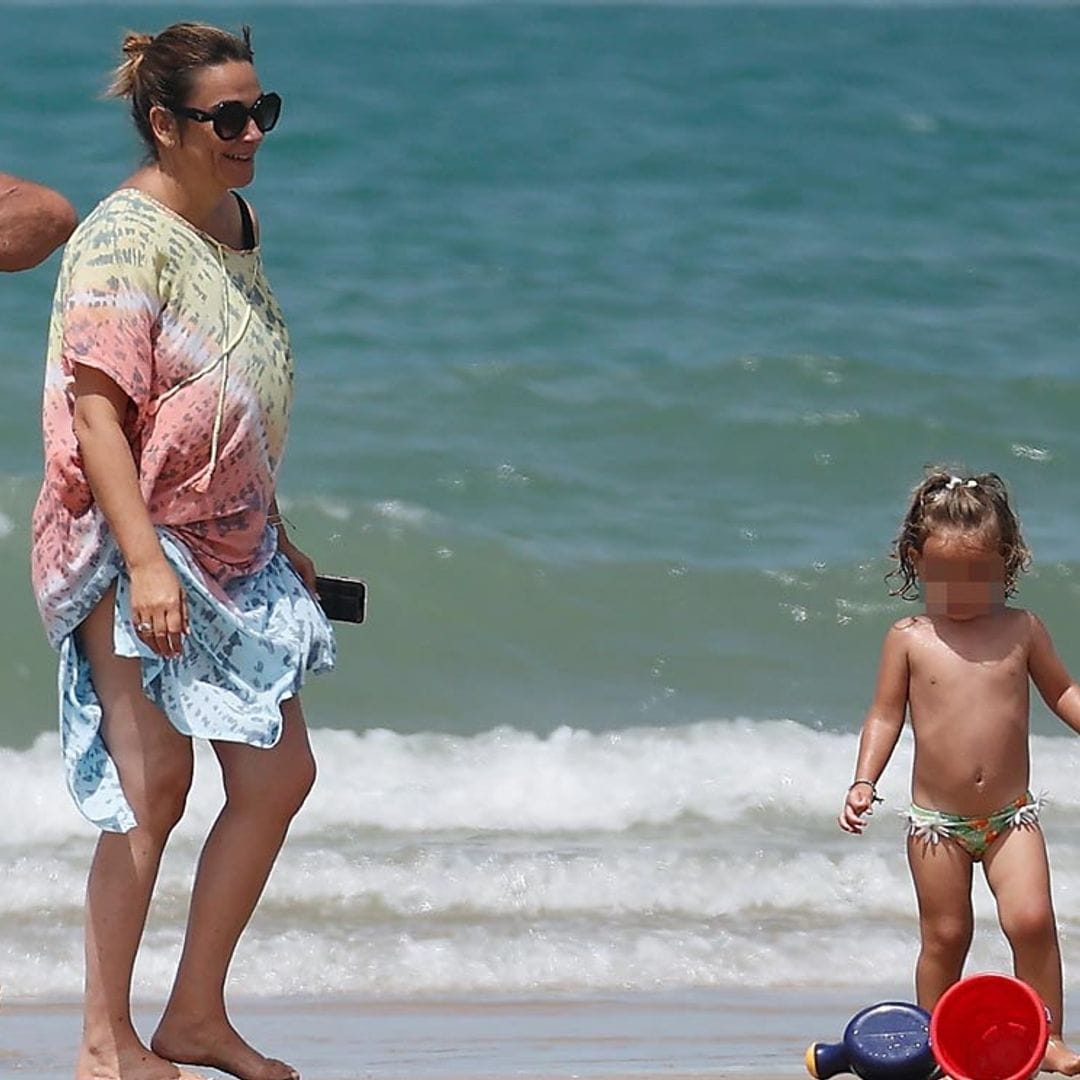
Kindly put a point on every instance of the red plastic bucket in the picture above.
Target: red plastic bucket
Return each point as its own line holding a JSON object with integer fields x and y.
{"x": 989, "y": 1027}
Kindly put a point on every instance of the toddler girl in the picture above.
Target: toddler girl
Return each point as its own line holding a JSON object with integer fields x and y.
{"x": 961, "y": 670}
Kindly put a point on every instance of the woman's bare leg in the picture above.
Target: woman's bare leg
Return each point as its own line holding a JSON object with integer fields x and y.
{"x": 154, "y": 762}
{"x": 263, "y": 791}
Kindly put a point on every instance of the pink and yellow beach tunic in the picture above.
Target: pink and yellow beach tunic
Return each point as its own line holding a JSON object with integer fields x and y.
{"x": 189, "y": 329}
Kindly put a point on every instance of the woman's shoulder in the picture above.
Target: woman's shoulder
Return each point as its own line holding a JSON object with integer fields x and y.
{"x": 127, "y": 238}
{"x": 122, "y": 220}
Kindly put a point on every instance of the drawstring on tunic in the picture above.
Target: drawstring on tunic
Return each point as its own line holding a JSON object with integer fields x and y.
{"x": 202, "y": 482}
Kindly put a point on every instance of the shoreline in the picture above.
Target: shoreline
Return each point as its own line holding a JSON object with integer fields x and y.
{"x": 678, "y": 1034}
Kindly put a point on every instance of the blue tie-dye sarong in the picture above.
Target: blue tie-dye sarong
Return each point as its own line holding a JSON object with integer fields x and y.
{"x": 240, "y": 660}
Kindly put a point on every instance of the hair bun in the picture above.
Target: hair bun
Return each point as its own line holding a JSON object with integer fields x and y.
{"x": 135, "y": 44}
{"x": 125, "y": 78}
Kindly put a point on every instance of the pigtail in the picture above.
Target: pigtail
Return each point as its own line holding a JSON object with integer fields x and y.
{"x": 1014, "y": 549}
{"x": 909, "y": 540}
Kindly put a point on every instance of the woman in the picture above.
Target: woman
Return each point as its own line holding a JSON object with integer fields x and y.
{"x": 161, "y": 564}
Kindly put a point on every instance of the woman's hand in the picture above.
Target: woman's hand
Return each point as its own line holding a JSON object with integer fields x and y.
{"x": 301, "y": 563}
{"x": 159, "y": 607}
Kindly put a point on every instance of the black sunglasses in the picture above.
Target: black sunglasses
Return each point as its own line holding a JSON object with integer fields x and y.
{"x": 230, "y": 118}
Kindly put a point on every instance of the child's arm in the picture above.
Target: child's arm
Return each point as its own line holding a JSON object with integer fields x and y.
{"x": 881, "y": 728}
{"x": 1054, "y": 683}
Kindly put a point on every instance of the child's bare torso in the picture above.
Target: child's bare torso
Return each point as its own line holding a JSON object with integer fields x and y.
{"x": 968, "y": 697}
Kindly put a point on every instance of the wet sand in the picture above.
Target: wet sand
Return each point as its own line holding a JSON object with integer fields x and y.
{"x": 760, "y": 1033}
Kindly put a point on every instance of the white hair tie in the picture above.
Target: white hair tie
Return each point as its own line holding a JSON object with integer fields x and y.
{"x": 956, "y": 481}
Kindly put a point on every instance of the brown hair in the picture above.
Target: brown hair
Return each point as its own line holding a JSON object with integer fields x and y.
{"x": 160, "y": 70}
{"x": 974, "y": 505}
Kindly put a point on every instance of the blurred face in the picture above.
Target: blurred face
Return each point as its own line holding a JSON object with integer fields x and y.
{"x": 961, "y": 577}
{"x": 229, "y": 163}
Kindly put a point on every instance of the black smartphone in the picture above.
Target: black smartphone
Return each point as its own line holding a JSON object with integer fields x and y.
{"x": 342, "y": 598}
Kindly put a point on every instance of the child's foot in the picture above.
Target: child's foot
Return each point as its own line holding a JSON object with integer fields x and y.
{"x": 138, "y": 1063}
{"x": 216, "y": 1045}
{"x": 1060, "y": 1058}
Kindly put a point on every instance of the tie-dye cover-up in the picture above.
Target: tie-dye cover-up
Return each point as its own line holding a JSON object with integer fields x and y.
{"x": 190, "y": 331}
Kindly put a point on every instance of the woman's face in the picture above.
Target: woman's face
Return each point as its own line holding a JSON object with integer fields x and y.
{"x": 230, "y": 163}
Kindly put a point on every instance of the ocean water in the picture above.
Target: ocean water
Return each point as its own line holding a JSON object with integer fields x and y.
{"x": 622, "y": 332}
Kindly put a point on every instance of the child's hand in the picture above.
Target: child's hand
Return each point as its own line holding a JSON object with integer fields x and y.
{"x": 858, "y": 806}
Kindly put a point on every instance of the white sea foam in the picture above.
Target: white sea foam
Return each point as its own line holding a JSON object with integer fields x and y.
{"x": 704, "y": 855}
{"x": 748, "y": 776}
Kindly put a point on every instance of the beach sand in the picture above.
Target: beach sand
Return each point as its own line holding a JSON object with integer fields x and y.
{"x": 760, "y": 1033}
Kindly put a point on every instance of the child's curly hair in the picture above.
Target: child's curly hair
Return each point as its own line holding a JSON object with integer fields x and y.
{"x": 975, "y": 505}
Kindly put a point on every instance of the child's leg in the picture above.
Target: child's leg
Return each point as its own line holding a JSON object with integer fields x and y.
{"x": 1018, "y": 874}
{"x": 942, "y": 876}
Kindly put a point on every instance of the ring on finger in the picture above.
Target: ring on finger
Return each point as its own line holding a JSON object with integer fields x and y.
{"x": 144, "y": 627}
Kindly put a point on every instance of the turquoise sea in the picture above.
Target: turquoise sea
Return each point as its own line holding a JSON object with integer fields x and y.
{"x": 622, "y": 332}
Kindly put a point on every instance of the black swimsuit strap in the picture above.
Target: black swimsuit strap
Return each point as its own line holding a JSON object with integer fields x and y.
{"x": 247, "y": 226}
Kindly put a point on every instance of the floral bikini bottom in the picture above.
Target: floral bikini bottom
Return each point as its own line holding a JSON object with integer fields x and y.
{"x": 973, "y": 834}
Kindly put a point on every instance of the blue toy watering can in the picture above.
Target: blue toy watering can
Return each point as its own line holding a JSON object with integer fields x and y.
{"x": 887, "y": 1041}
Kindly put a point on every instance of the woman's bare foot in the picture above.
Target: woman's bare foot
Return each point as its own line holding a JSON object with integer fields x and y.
{"x": 217, "y": 1045}
{"x": 1060, "y": 1058}
{"x": 135, "y": 1063}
